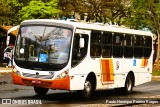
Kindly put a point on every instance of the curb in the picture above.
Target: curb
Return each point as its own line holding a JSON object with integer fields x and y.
{"x": 155, "y": 77}
{"x": 5, "y": 71}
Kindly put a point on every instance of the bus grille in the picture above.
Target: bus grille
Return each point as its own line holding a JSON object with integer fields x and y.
{"x": 42, "y": 84}
{"x": 39, "y": 76}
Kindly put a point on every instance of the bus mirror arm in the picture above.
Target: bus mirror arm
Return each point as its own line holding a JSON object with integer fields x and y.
{"x": 81, "y": 43}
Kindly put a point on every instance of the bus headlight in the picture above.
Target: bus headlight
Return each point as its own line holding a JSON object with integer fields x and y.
{"x": 16, "y": 71}
{"x": 62, "y": 75}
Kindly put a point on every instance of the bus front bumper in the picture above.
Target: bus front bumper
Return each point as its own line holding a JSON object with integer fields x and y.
{"x": 62, "y": 84}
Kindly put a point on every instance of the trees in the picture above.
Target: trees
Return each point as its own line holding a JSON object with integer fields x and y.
{"x": 5, "y": 12}
{"x": 12, "y": 12}
{"x": 39, "y": 9}
{"x": 143, "y": 13}
{"x": 106, "y": 11}
{"x": 9, "y": 11}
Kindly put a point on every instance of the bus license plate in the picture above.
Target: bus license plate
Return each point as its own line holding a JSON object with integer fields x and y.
{"x": 36, "y": 81}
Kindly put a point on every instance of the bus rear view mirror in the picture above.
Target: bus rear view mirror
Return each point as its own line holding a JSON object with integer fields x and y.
{"x": 9, "y": 31}
{"x": 81, "y": 43}
{"x": 8, "y": 39}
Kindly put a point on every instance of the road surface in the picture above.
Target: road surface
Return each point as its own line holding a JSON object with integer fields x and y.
{"x": 61, "y": 98}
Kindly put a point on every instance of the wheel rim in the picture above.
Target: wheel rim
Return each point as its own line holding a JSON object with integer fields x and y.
{"x": 87, "y": 87}
{"x": 129, "y": 85}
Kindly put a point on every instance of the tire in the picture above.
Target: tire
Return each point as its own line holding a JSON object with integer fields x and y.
{"x": 129, "y": 83}
{"x": 40, "y": 91}
{"x": 88, "y": 89}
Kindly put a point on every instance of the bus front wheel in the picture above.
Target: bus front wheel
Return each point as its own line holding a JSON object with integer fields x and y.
{"x": 88, "y": 89}
{"x": 40, "y": 91}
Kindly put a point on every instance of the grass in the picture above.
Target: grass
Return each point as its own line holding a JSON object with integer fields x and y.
{"x": 155, "y": 72}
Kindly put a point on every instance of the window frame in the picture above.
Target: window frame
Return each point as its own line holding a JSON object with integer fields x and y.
{"x": 127, "y": 47}
{"x": 138, "y": 47}
{"x": 118, "y": 46}
{"x": 98, "y": 44}
{"x": 109, "y": 45}
{"x": 146, "y": 46}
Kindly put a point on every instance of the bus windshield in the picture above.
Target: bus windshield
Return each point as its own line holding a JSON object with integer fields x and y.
{"x": 43, "y": 44}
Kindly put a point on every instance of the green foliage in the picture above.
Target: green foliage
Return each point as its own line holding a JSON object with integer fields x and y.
{"x": 144, "y": 14}
{"x": 5, "y": 11}
{"x": 106, "y": 11}
{"x": 12, "y": 12}
{"x": 155, "y": 72}
{"x": 9, "y": 11}
{"x": 39, "y": 9}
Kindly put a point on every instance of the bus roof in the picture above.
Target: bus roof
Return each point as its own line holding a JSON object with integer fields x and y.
{"x": 87, "y": 26}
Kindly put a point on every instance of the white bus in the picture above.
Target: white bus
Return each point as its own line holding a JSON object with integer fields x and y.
{"x": 74, "y": 56}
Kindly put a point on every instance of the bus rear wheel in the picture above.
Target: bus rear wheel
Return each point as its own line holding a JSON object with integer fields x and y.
{"x": 129, "y": 83}
{"x": 40, "y": 91}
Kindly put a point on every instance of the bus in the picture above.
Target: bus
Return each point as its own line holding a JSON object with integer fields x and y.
{"x": 82, "y": 57}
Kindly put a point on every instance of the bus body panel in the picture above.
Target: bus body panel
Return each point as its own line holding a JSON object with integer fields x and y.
{"x": 80, "y": 74}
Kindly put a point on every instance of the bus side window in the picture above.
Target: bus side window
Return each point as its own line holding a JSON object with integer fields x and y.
{"x": 95, "y": 50}
{"x": 118, "y": 45}
{"x": 128, "y": 46}
{"x": 147, "y": 46}
{"x": 107, "y": 44}
{"x": 138, "y": 46}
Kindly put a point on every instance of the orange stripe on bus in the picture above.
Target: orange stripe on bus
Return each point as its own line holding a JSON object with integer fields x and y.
{"x": 104, "y": 71}
{"x": 107, "y": 70}
{"x": 111, "y": 70}
{"x": 144, "y": 63}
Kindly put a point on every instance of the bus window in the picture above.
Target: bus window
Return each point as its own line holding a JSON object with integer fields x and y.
{"x": 78, "y": 53}
{"x": 95, "y": 44}
{"x": 147, "y": 46}
{"x": 128, "y": 46}
{"x": 107, "y": 44}
{"x": 118, "y": 45}
{"x": 138, "y": 46}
